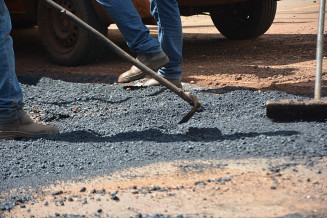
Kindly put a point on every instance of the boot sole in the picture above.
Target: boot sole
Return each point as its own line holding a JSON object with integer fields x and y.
{"x": 19, "y": 135}
{"x": 156, "y": 83}
{"x": 141, "y": 75}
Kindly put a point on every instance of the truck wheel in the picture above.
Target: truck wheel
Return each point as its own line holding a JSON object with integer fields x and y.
{"x": 65, "y": 42}
{"x": 244, "y": 20}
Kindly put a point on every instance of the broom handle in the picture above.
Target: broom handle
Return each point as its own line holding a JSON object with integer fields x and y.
{"x": 320, "y": 47}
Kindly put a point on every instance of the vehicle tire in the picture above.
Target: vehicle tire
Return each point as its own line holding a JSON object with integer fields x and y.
{"x": 65, "y": 42}
{"x": 244, "y": 20}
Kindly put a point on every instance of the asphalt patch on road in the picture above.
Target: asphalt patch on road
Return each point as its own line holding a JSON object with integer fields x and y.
{"x": 105, "y": 128}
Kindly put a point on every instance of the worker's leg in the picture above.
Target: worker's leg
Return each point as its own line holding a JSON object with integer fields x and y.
{"x": 10, "y": 91}
{"x": 14, "y": 122}
{"x": 130, "y": 25}
{"x": 137, "y": 37}
{"x": 167, "y": 15}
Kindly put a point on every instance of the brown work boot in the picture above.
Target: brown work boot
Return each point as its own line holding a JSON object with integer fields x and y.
{"x": 153, "y": 82}
{"x": 154, "y": 61}
{"x": 25, "y": 127}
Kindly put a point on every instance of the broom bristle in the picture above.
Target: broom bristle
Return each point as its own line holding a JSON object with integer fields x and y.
{"x": 288, "y": 110}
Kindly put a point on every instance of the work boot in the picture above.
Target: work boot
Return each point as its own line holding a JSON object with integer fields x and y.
{"x": 25, "y": 127}
{"x": 153, "y": 82}
{"x": 154, "y": 61}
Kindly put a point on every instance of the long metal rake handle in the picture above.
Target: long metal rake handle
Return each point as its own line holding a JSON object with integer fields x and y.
{"x": 191, "y": 99}
{"x": 122, "y": 53}
{"x": 320, "y": 48}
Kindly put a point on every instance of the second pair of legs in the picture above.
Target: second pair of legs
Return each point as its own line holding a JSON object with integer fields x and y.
{"x": 164, "y": 54}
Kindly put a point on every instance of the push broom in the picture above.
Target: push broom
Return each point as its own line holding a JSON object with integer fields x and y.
{"x": 306, "y": 110}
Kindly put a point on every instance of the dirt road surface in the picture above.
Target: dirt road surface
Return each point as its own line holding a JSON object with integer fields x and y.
{"x": 281, "y": 60}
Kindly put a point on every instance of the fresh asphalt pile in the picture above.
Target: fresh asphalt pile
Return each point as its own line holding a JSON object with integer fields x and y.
{"x": 105, "y": 128}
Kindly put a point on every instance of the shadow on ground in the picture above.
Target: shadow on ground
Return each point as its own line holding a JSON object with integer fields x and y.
{"x": 154, "y": 135}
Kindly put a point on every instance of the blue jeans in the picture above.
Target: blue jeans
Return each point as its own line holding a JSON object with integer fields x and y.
{"x": 170, "y": 36}
{"x": 11, "y": 95}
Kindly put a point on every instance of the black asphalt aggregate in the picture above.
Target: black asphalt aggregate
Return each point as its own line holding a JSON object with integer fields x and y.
{"x": 105, "y": 128}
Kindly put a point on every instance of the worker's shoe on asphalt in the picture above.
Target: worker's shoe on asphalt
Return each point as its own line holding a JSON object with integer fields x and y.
{"x": 154, "y": 61}
{"x": 25, "y": 127}
{"x": 153, "y": 82}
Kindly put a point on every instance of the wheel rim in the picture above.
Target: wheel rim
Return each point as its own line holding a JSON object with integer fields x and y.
{"x": 61, "y": 32}
{"x": 240, "y": 15}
